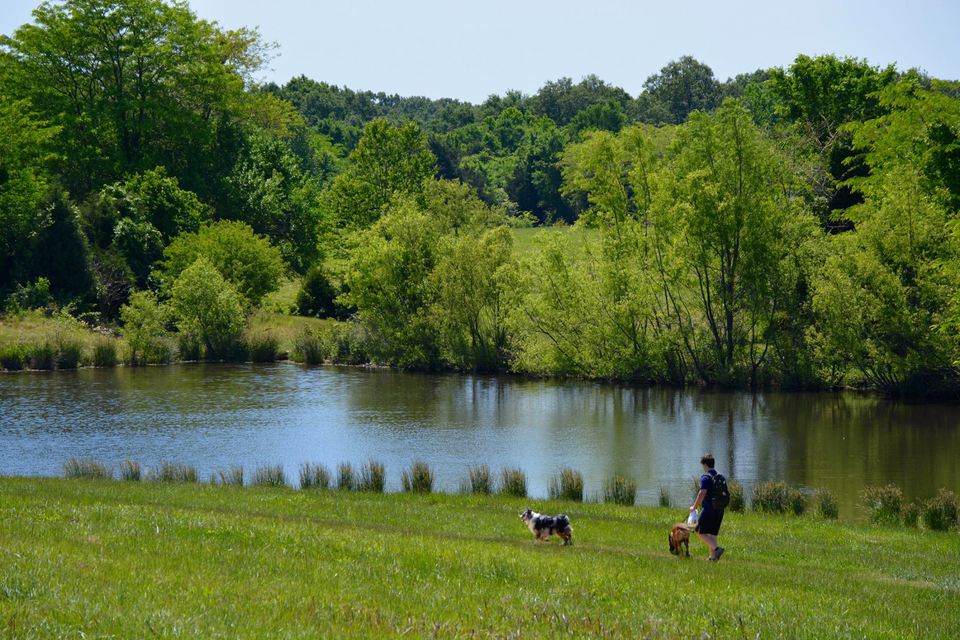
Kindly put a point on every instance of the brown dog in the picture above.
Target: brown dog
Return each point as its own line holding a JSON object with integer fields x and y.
{"x": 679, "y": 536}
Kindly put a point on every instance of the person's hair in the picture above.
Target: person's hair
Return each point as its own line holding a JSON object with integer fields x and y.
{"x": 709, "y": 461}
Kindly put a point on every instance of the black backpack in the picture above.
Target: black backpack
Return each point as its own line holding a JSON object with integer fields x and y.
{"x": 719, "y": 494}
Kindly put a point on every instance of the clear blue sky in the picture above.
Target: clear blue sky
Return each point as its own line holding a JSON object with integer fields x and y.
{"x": 468, "y": 50}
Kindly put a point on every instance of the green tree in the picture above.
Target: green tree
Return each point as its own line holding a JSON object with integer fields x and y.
{"x": 208, "y": 308}
{"x": 144, "y": 328}
{"x": 680, "y": 88}
{"x": 248, "y": 261}
{"x": 156, "y": 198}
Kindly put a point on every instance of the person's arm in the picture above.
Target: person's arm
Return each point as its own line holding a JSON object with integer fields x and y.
{"x": 696, "y": 503}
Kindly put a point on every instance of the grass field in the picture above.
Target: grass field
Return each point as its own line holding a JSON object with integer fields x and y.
{"x": 129, "y": 559}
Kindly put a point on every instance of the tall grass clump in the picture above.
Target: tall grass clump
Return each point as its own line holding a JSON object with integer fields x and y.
{"x": 130, "y": 470}
{"x": 345, "y": 477}
{"x": 86, "y": 470}
{"x": 308, "y": 347}
{"x": 13, "y": 357}
{"x": 884, "y": 504}
{"x": 231, "y": 476}
{"x": 373, "y": 477}
{"x": 566, "y": 485}
{"x": 663, "y": 498}
{"x": 911, "y": 513}
{"x": 105, "y": 353}
{"x": 940, "y": 512}
{"x": 69, "y": 353}
{"x": 738, "y": 503}
{"x": 262, "y": 347}
{"x": 189, "y": 348}
{"x": 513, "y": 482}
{"x": 314, "y": 476}
{"x": 270, "y": 475}
{"x": 173, "y": 472}
{"x": 42, "y": 356}
{"x": 620, "y": 490}
{"x": 418, "y": 479}
{"x": 826, "y": 504}
{"x": 479, "y": 480}
{"x": 777, "y": 497}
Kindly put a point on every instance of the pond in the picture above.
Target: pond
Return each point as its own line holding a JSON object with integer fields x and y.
{"x": 213, "y": 416}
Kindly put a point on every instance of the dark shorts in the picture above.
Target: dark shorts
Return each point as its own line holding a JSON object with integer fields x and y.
{"x": 710, "y": 522}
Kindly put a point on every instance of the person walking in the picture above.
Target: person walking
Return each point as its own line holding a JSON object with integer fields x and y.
{"x": 713, "y": 497}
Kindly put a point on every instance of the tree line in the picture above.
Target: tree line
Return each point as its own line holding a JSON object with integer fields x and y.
{"x": 791, "y": 227}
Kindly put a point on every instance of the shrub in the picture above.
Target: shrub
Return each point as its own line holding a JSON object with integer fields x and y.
{"x": 69, "y": 353}
{"x": 513, "y": 482}
{"x": 105, "y": 353}
{"x": 13, "y": 357}
{"x": 348, "y": 344}
{"x": 884, "y": 504}
{"x": 738, "y": 502}
{"x": 567, "y": 485}
{"x": 777, "y": 497}
{"x": 130, "y": 470}
{"x": 317, "y": 295}
{"x": 189, "y": 348}
{"x": 664, "y": 497}
{"x": 208, "y": 307}
{"x": 42, "y": 356}
{"x": 230, "y": 476}
{"x": 940, "y": 512}
{"x": 826, "y": 504}
{"x": 144, "y": 327}
{"x": 911, "y": 513}
{"x": 479, "y": 480}
{"x": 418, "y": 479}
{"x": 269, "y": 476}
{"x": 171, "y": 472}
{"x": 372, "y": 477}
{"x": 345, "y": 480}
{"x": 620, "y": 490}
{"x": 262, "y": 347}
{"x": 308, "y": 347}
{"x": 86, "y": 470}
{"x": 314, "y": 476}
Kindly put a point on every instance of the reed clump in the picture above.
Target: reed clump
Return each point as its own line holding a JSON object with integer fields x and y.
{"x": 883, "y": 503}
{"x": 777, "y": 497}
{"x": 314, "y": 476}
{"x": 173, "y": 472}
{"x": 940, "y": 513}
{"x": 13, "y": 357}
{"x": 231, "y": 476}
{"x": 69, "y": 353}
{"x": 418, "y": 479}
{"x": 105, "y": 353}
{"x": 479, "y": 480}
{"x": 738, "y": 502}
{"x": 826, "y": 504}
{"x": 269, "y": 476}
{"x": 620, "y": 490}
{"x": 513, "y": 482}
{"x": 566, "y": 485}
{"x": 308, "y": 347}
{"x": 130, "y": 470}
{"x": 373, "y": 477}
{"x": 42, "y": 356}
{"x": 261, "y": 347}
{"x": 664, "y": 498}
{"x": 346, "y": 480}
{"x": 86, "y": 469}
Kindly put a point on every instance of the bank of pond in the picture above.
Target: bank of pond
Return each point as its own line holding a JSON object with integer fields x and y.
{"x": 884, "y": 504}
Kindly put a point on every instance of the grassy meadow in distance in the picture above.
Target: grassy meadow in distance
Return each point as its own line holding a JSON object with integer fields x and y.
{"x": 130, "y": 559}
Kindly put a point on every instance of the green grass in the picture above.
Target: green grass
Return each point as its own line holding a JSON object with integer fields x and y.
{"x": 527, "y": 242}
{"x": 127, "y": 559}
{"x": 283, "y": 328}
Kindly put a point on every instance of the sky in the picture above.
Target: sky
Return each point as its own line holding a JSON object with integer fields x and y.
{"x": 469, "y": 49}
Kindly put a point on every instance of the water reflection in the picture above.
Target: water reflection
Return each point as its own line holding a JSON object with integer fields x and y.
{"x": 213, "y": 416}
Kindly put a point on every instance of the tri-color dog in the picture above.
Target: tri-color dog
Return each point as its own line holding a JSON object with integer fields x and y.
{"x": 542, "y": 527}
{"x": 679, "y": 536}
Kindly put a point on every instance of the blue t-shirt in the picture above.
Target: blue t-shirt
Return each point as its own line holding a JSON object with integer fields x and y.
{"x": 706, "y": 483}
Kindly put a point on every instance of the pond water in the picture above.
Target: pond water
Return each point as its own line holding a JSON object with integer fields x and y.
{"x": 213, "y": 416}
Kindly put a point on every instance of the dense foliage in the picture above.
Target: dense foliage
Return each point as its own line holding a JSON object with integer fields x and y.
{"x": 791, "y": 226}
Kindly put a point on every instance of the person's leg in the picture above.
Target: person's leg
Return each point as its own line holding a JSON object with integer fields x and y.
{"x": 709, "y": 540}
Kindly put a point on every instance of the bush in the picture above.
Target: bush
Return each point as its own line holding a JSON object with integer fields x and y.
{"x": 418, "y": 479}
{"x": 479, "y": 480}
{"x": 86, "y": 470}
{"x": 620, "y": 490}
{"x": 372, "y": 477}
{"x": 105, "y": 353}
{"x": 42, "y": 356}
{"x": 317, "y": 295}
{"x": 777, "y": 497}
{"x": 231, "y": 476}
{"x": 664, "y": 498}
{"x": 940, "y": 512}
{"x": 69, "y": 353}
{"x": 208, "y": 307}
{"x": 911, "y": 513}
{"x": 884, "y": 504}
{"x": 13, "y": 357}
{"x": 567, "y": 485}
{"x": 261, "y": 347}
{"x": 189, "y": 348}
{"x": 144, "y": 327}
{"x": 314, "y": 476}
{"x": 130, "y": 470}
{"x": 170, "y": 472}
{"x": 826, "y": 504}
{"x": 513, "y": 482}
{"x": 738, "y": 503}
{"x": 269, "y": 476}
{"x": 348, "y": 344}
{"x": 345, "y": 479}
{"x": 308, "y": 347}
